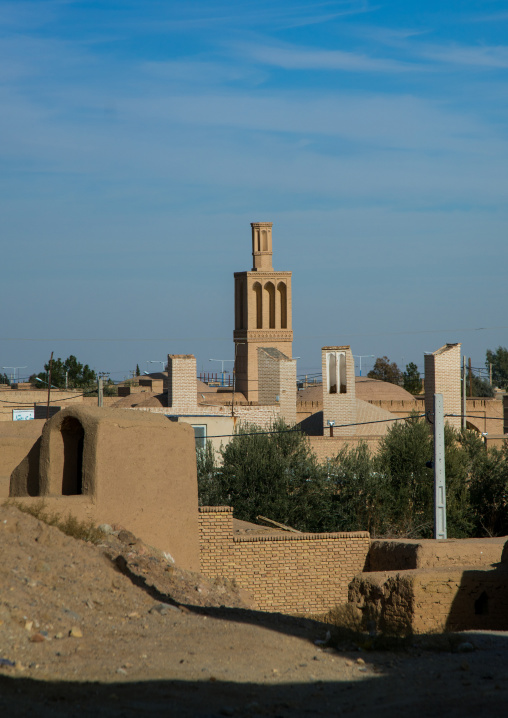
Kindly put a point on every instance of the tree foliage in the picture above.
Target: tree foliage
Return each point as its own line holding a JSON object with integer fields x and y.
{"x": 411, "y": 379}
{"x": 79, "y": 376}
{"x": 384, "y": 370}
{"x": 499, "y": 361}
{"x": 479, "y": 386}
{"x": 390, "y": 493}
{"x": 488, "y": 487}
{"x": 270, "y": 474}
{"x": 4, "y": 379}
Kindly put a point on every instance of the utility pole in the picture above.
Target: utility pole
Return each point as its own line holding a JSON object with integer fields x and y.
{"x": 439, "y": 470}
{"x": 360, "y": 357}
{"x": 490, "y": 373}
{"x": 100, "y": 391}
{"x": 470, "y": 379}
{"x": 49, "y": 384}
{"x": 463, "y": 392}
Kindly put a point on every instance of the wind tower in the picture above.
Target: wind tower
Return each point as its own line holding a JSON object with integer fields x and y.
{"x": 262, "y": 311}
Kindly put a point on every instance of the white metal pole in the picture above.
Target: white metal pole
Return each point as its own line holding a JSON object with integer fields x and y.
{"x": 464, "y": 392}
{"x": 439, "y": 470}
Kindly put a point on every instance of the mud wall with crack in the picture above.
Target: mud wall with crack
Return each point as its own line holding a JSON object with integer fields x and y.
{"x": 432, "y": 586}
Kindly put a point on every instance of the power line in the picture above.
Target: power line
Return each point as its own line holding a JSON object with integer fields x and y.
{"x": 337, "y": 426}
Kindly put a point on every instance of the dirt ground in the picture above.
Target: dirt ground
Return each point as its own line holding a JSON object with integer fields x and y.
{"x": 116, "y": 630}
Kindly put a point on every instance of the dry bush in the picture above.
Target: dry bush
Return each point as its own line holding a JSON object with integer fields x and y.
{"x": 69, "y": 525}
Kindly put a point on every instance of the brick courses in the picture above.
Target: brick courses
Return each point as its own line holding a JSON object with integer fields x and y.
{"x": 442, "y": 376}
{"x": 289, "y": 573}
{"x": 339, "y": 406}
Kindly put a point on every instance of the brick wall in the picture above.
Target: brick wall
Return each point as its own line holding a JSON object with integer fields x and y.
{"x": 327, "y": 447}
{"x": 182, "y": 382}
{"x": 337, "y": 406}
{"x": 216, "y": 541}
{"x": 277, "y": 382}
{"x": 442, "y": 376}
{"x": 289, "y": 573}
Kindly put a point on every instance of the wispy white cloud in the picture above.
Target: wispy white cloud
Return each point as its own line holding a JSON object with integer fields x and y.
{"x": 296, "y": 57}
{"x": 471, "y": 56}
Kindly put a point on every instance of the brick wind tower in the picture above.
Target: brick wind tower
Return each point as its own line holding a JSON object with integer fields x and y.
{"x": 262, "y": 311}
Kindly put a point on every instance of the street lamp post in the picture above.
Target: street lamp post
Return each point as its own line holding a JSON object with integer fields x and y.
{"x": 362, "y": 356}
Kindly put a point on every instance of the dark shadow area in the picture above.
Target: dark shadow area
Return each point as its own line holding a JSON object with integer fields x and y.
{"x": 312, "y": 425}
{"x": 73, "y": 438}
{"x": 389, "y": 687}
{"x": 27, "y": 472}
{"x": 291, "y": 625}
{"x": 481, "y": 601}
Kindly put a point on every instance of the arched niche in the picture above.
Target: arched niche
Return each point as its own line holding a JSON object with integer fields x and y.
{"x": 270, "y": 293}
{"x": 257, "y": 289}
{"x": 283, "y": 304}
{"x": 73, "y": 437}
{"x": 240, "y": 321}
{"x": 336, "y": 376}
{"x": 264, "y": 241}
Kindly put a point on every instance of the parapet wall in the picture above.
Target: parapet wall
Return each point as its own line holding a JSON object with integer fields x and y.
{"x": 285, "y": 572}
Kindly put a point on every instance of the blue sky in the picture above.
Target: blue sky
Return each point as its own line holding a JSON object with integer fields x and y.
{"x": 138, "y": 140}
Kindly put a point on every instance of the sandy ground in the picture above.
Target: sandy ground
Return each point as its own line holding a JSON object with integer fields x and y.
{"x": 115, "y": 630}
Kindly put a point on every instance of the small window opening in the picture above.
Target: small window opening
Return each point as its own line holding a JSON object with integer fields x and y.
{"x": 331, "y": 366}
{"x": 342, "y": 373}
{"x": 200, "y": 435}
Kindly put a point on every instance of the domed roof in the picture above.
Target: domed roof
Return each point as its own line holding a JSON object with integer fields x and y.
{"x": 366, "y": 389}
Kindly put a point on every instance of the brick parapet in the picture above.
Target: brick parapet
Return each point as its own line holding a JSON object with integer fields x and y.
{"x": 290, "y": 573}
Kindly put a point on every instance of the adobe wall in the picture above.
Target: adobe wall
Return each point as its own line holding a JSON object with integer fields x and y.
{"x": 116, "y": 466}
{"x": 434, "y": 600}
{"x": 402, "y": 554}
{"x": 285, "y": 572}
{"x": 17, "y": 439}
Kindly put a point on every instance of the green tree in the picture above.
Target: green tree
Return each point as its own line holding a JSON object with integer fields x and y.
{"x": 4, "y": 379}
{"x": 271, "y": 474}
{"x": 499, "y": 361}
{"x": 384, "y": 370}
{"x": 412, "y": 381}
{"x": 209, "y": 487}
{"x": 138, "y": 370}
{"x": 391, "y": 494}
{"x": 488, "y": 489}
{"x": 361, "y": 493}
{"x": 78, "y": 376}
{"x": 479, "y": 386}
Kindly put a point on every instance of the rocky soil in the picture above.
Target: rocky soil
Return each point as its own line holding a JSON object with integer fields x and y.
{"x": 117, "y": 630}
